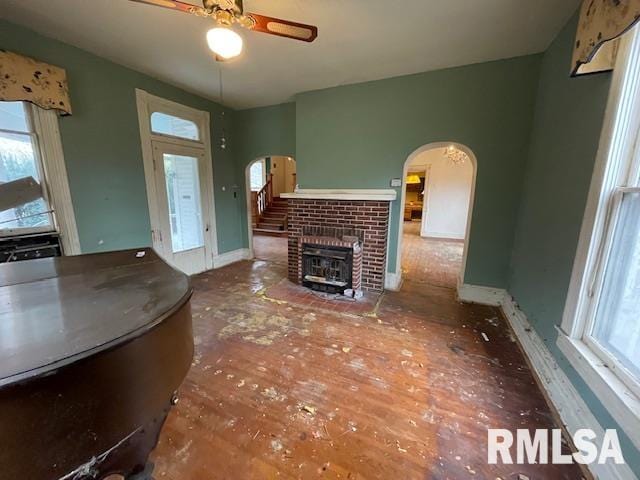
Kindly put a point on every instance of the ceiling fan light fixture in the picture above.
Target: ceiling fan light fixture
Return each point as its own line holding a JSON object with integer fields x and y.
{"x": 224, "y": 42}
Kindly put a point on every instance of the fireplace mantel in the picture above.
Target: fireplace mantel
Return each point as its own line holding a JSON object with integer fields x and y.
{"x": 342, "y": 194}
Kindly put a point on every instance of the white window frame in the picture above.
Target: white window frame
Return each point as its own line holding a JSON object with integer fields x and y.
{"x": 617, "y": 161}
{"x": 148, "y": 104}
{"x": 47, "y": 145}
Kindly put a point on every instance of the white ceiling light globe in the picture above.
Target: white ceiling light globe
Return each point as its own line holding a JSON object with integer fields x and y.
{"x": 224, "y": 42}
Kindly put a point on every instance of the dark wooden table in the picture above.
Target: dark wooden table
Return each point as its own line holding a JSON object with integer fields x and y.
{"x": 92, "y": 351}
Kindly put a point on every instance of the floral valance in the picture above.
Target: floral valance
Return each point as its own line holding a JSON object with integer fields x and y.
{"x": 601, "y": 23}
{"x": 25, "y": 79}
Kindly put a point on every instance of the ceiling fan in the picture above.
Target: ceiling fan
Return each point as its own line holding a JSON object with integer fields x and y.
{"x": 226, "y": 43}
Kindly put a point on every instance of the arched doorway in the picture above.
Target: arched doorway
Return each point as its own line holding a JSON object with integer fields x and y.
{"x": 438, "y": 191}
{"x": 265, "y": 179}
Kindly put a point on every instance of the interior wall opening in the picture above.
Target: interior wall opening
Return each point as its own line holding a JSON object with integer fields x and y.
{"x": 266, "y": 179}
{"x": 437, "y": 197}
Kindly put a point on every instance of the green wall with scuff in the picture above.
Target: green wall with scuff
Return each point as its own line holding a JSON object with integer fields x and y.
{"x": 101, "y": 143}
{"x": 564, "y": 142}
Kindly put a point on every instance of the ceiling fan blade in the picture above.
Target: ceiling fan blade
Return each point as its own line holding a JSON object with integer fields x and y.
{"x": 283, "y": 28}
{"x": 175, "y": 5}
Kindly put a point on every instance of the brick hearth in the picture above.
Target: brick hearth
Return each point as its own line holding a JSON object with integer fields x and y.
{"x": 368, "y": 218}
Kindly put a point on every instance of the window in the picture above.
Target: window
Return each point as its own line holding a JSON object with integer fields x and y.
{"x": 257, "y": 175}
{"x": 600, "y": 334}
{"x": 174, "y": 126}
{"x": 183, "y": 197}
{"x": 612, "y": 301}
{"x": 27, "y": 207}
{"x": 616, "y": 323}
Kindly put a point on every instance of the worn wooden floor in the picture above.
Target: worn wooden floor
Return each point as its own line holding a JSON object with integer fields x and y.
{"x": 430, "y": 260}
{"x": 273, "y": 249}
{"x": 407, "y": 390}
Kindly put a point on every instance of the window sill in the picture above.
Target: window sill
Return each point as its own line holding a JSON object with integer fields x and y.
{"x": 619, "y": 401}
{"x": 27, "y": 232}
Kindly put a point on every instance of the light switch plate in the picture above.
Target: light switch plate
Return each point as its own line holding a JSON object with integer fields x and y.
{"x": 396, "y": 182}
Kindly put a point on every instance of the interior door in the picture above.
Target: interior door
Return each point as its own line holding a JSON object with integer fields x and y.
{"x": 290, "y": 176}
{"x": 182, "y": 231}
{"x": 278, "y": 170}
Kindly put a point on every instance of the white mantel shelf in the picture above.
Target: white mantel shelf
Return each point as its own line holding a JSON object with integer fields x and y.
{"x": 387, "y": 194}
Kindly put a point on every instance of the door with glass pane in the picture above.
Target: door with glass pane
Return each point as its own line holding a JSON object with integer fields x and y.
{"x": 180, "y": 236}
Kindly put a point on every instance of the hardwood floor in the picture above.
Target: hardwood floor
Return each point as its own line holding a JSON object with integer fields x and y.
{"x": 272, "y": 249}
{"x": 430, "y": 260}
{"x": 284, "y": 388}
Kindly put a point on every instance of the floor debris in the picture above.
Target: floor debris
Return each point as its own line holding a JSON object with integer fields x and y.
{"x": 289, "y": 427}
{"x": 309, "y": 409}
{"x": 493, "y": 321}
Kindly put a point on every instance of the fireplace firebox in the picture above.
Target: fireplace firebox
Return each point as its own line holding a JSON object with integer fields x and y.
{"x": 354, "y": 220}
{"x": 327, "y": 268}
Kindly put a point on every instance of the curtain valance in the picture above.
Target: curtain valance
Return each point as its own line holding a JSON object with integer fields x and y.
{"x": 601, "y": 23}
{"x": 25, "y": 79}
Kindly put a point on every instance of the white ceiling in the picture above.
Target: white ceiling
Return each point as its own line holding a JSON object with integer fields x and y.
{"x": 358, "y": 40}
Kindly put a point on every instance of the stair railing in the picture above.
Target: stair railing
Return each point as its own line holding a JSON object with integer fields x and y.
{"x": 264, "y": 198}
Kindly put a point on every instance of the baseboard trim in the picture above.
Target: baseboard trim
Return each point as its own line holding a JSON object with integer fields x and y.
{"x": 233, "y": 256}
{"x": 479, "y": 294}
{"x": 571, "y": 408}
{"x": 392, "y": 281}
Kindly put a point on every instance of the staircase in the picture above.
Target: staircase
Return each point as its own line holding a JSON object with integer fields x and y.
{"x": 273, "y": 220}
{"x": 268, "y": 213}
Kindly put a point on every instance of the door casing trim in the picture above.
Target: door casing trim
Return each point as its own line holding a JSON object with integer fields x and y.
{"x": 147, "y": 104}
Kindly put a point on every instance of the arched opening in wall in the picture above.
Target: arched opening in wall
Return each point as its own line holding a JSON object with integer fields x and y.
{"x": 437, "y": 204}
{"x": 266, "y": 179}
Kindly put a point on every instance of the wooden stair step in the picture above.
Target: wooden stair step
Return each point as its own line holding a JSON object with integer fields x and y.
{"x": 270, "y": 233}
{"x": 271, "y": 226}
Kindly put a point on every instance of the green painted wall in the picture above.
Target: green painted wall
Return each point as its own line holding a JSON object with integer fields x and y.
{"x": 373, "y": 127}
{"x": 566, "y": 131}
{"x": 102, "y": 150}
{"x": 262, "y": 132}
{"x": 265, "y": 131}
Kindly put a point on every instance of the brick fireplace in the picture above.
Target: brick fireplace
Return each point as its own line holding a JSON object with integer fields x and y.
{"x": 345, "y": 220}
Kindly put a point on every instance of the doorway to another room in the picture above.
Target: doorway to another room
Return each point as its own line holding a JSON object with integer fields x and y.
{"x": 267, "y": 178}
{"x": 436, "y": 208}
{"x": 176, "y": 149}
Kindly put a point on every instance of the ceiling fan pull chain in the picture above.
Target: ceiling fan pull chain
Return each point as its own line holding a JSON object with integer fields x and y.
{"x": 223, "y": 138}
